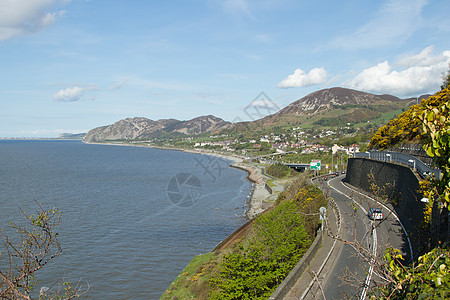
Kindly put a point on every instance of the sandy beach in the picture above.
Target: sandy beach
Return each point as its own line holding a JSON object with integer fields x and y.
{"x": 260, "y": 192}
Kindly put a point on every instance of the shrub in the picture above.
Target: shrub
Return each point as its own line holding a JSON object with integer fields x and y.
{"x": 279, "y": 170}
{"x": 255, "y": 270}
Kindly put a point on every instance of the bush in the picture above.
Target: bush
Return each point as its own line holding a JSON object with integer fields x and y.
{"x": 279, "y": 170}
{"x": 428, "y": 279}
{"x": 255, "y": 270}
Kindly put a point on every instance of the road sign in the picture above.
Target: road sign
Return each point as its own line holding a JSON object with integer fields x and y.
{"x": 314, "y": 165}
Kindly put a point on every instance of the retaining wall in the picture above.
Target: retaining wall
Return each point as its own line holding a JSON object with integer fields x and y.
{"x": 401, "y": 187}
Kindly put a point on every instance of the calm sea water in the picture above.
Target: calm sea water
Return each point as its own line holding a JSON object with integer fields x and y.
{"x": 132, "y": 217}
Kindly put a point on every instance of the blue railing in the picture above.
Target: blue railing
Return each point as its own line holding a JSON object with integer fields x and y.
{"x": 408, "y": 160}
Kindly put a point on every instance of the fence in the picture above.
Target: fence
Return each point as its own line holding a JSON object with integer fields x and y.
{"x": 401, "y": 158}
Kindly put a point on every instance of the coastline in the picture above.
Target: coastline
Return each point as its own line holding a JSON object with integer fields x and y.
{"x": 259, "y": 193}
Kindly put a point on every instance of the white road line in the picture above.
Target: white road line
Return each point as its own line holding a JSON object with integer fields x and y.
{"x": 338, "y": 217}
{"x": 374, "y": 243}
{"x": 369, "y": 276}
{"x": 393, "y": 213}
{"x": 384, "y": 206}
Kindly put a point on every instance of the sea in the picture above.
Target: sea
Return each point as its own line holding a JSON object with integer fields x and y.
{"x": 131, "y": 217}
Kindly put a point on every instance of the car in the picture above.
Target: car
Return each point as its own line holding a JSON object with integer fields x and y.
{"x": 375, "y": 214}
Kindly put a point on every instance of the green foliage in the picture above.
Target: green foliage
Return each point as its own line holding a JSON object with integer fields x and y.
{"x": 255, "y": 270}
{"x": 265, "y": 146}
{"x": 436, "y": 127}
{"x": 193, "y": 281}
{"x": 407, "y": 126}
{"x": 33, "y": 247}
{"x": 428, "y": 279}
{"x": 404, "y": 127}
{"x": 359, "y": 114}
{"x": 279, "y": 170}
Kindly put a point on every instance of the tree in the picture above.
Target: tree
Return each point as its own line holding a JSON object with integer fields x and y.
{"x": 279, "y": 170}
{"x": 429, "y": 276}
{"x": 35, "y": 245}
{"x": 408, "y": 126}
{"x": 436, "y": 127}
{"x": 446, "y": 83}
{"x": 256, "y": 269}
{"x": 428, "y": 279}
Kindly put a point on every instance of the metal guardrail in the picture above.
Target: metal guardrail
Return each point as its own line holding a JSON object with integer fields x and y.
{"x": 401, "y": 158}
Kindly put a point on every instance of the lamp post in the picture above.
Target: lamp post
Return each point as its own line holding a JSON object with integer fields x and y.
{"x": 390, "y": 158}
{"x": 414, "y": 163}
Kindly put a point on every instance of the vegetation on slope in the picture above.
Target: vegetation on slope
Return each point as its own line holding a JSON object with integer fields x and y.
{"x": 279, "y": 170}
{"x": 407, "y": 126}
{"x": 254, "y": 266}
{"x": 257, "y": 268}
{"x": 429, "y": 277}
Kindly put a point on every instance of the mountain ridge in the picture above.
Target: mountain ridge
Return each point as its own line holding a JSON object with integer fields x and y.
{"x": 326, "y": 99}
{"x": 143, "y": 128}
{"x": 332, "y": 106}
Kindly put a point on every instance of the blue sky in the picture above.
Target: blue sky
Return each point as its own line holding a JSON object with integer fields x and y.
{"x": 70, "y": 66}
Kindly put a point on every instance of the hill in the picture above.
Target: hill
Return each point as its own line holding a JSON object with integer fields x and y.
{"x": 71, "y": 136}
{"x": 407, "y": 127}
{"x": 346, "y": 110}
{"x": 140, "y": 128}
{"x": 335, "y": 107}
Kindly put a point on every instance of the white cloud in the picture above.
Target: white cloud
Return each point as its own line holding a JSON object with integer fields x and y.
{"x": 74, "y": 93}
{"x": 412, "y": 75}
{"x": 299, "y": 78}
{"x": 69, "y": 94}
{"x": 394, "y": 23}
{"x": 22, "y": 17}
{"x": 424, "y": 58}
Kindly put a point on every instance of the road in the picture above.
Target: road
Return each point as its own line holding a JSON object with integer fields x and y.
{"x": 359, "y": 230}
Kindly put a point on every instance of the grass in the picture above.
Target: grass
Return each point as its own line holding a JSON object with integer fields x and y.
{"x": 270, "y": 183}
{"x": 193, "y": 281}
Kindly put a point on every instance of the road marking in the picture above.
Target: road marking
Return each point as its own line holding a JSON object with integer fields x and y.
{"x": 374, "y": 243}
{"x": 366, "y": 284}
{"x": 393, "y": 213}
{"x": 338, "y": 219}
{"x": 369, "y": 276}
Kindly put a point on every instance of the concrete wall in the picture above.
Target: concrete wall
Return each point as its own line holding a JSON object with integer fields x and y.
{"x": 402, "y": 185}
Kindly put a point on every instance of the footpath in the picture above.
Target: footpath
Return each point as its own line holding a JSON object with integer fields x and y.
{"x": 307, "y": 285}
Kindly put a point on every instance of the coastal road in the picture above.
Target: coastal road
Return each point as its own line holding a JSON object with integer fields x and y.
{"x": 346, "y": 264}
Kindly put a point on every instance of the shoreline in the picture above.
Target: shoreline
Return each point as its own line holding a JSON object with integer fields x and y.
{"x": 258, "y": 193}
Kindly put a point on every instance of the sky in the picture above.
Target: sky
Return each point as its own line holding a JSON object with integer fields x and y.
{"x": 73, "y": 65}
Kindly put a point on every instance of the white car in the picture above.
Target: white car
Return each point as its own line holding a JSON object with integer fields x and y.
{"x": 375, "y": 214}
